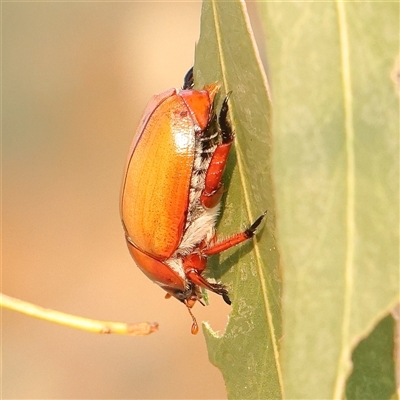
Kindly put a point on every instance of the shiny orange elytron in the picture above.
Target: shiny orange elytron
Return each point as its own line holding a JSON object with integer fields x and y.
{"x": 172, "y": 189}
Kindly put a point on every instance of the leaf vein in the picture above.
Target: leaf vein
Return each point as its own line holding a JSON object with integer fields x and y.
{"x": 344, "y": 358}
{"x": 246, "y": 196}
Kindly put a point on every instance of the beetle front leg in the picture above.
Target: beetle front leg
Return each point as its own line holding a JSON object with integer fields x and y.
{"x": 213, "y": 187}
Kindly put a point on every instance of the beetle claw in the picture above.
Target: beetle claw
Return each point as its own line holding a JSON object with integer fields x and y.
{"x": 188, "y": 81}
{"x": 224, "y": 124}
{"x": 226, "y": 298}
{"x": 253, "y": 227}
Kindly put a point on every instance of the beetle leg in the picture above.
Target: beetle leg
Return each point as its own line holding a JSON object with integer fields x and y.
{"x": 194, "y": 264}
{"x": 213, "y": 187}
{"x": 235, "y": 239}
{"x": 199, "y": 280}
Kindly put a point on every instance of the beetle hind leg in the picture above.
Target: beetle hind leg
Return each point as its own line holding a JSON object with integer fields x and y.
{"x": 234, "y": 240}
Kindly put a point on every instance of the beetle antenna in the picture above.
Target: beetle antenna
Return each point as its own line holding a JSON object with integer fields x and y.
{"x": 195, "y": 327}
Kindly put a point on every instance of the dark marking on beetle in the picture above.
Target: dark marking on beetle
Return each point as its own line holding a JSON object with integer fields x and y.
{"x": 183, "y": 113}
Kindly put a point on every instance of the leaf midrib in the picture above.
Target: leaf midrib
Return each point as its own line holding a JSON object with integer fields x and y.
{"x": 247, "y": 202}
{"x": 344, "y": 357}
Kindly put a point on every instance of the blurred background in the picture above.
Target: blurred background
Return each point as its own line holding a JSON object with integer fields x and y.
{"x": 75, "y": 80}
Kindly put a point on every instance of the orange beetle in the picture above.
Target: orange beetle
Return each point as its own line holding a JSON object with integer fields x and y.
{"x": 172, "y": 188}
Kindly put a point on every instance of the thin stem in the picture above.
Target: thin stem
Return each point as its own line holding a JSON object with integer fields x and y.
{"x": 73, "y": 321}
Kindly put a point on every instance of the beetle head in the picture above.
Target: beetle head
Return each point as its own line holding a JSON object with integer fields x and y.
{"x": 189, "y": 298}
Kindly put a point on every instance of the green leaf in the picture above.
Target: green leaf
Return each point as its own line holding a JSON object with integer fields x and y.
{"x": 333, "y": 71}
{"x": 247, "y": 353}
{"x": 373, "y": 374}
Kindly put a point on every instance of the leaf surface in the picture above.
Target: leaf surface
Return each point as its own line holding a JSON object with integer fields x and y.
{"x": 373, "y": 374}
{"x": 248, "y": 352}
{"x": 334, "y": 72}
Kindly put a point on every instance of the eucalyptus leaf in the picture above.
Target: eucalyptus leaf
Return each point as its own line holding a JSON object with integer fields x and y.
{"x": 334, "y": 72}
{"x": 248, "y": 352}
{"x": 373, "y": 374}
